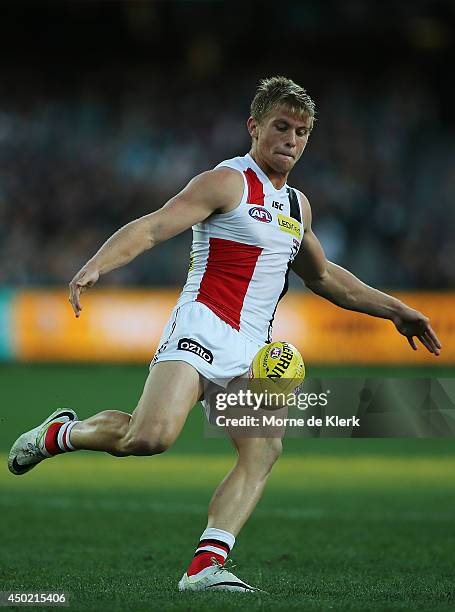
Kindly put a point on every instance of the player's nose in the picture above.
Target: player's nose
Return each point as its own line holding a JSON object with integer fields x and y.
{"x": 291, "y": 138}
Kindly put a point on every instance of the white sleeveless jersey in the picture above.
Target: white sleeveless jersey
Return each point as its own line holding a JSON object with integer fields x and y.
{"x": 239, "y": 261}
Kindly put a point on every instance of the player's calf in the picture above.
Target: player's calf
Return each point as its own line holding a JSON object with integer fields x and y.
{"x": 101, "y": 432}
{"x": 118, "y": 434}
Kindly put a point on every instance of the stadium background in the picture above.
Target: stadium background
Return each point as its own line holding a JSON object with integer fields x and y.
{"x": 106, "y": 110}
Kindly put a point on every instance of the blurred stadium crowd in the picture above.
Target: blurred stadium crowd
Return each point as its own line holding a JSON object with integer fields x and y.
{"x": 379, "y": 171}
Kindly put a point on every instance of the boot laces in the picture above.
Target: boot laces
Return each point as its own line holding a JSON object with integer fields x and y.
{"x": 227, "y": 567}
{"x": 30, "y": 450}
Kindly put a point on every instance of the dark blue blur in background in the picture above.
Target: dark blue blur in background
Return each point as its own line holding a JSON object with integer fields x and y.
{"x": 108, "y": 108}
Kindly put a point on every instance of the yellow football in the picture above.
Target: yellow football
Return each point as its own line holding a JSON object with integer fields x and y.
{"x": 276, "y": 368}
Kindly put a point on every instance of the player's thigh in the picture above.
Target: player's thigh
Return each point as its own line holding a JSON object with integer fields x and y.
{"x": 170, "y": 391}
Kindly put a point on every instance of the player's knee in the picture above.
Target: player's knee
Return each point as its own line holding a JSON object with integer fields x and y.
{"x": 261, "y": 454}
{"x": 274, "y": 448}
{"x": 141, "y": 446}
{"x": 270, "y": 451}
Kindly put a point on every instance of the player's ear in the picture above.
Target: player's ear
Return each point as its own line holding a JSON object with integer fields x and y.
{"x": 252, "y": 126}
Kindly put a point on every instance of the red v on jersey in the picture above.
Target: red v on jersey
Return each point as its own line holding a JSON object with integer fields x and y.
{"x": 255, "y": 188}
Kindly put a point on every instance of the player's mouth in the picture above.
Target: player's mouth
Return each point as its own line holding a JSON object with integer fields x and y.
{"x": 288, "y": 155}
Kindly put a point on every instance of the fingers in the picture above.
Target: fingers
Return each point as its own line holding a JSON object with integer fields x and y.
{"x": 430, "y": 333}
{"x": 426, "y": 343}
{"x": 414, "y": 324}
{"x": 411, "y": 342}
{"x": 429, "y": 341}
{"x": 77, "y": 286}
{"x": 83, "y": 280}
{"x": 74, "y": 298}
{"x": 435, "y": 346}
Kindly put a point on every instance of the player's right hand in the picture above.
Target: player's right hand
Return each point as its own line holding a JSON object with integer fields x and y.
{"x": 83, "y": 280}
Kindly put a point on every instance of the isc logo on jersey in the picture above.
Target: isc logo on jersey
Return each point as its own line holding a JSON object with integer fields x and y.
{"x": 260, "y": 214}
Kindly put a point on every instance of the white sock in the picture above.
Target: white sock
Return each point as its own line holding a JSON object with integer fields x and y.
{"x": 64, "y": 436}
{"x": 211, "y": 533}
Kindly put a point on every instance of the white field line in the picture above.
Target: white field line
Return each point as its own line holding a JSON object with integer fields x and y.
{"x": 66, "y": 503}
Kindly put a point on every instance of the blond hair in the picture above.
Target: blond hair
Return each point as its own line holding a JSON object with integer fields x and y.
{"x": 277, "y": 91}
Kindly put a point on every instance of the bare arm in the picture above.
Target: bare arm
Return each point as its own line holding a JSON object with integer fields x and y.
{"x": 345, "y": 290}
{"x": 215, "y": 190}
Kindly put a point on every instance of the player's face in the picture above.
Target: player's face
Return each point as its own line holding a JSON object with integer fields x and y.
{"x": 280, "y": 139}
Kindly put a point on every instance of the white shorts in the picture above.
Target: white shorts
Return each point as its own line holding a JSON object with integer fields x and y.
{"x": 198, "y": 336}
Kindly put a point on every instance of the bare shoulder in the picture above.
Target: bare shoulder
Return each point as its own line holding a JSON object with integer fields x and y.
{"x": 223, "y": 187}
{"x": 228, "y": 175}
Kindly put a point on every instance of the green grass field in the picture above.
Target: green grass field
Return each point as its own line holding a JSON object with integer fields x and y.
{"x": 345, "y": 524}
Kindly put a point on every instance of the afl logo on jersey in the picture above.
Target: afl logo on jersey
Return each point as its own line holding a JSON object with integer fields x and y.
{"x": 260, "y": 214}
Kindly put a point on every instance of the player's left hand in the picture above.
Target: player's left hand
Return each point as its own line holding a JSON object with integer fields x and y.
{"x": 83, "y": 280}
{"x": 412, "y": 323}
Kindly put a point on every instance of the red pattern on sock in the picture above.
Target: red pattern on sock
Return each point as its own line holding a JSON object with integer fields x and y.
{"x": 50, "y": 441}
{"x": 202, "y": 561}
{"x": 216, "y": 543}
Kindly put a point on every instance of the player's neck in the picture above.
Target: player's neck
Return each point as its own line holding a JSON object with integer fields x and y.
{"x": 277, "y": 179}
